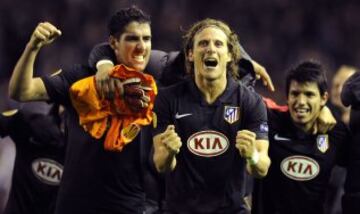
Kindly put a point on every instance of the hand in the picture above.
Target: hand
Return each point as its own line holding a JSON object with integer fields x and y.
{"x": 171, "y": 140}
{"x": 260, "y": 73}
{"x": 44, "y": 34}
{"x": 324, "y": 122}
{"x": 135, "y": 95}
{"x": 245, "y": 143}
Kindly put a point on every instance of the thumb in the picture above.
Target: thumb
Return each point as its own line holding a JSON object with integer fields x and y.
{"x": 315, "y": 128}
{"x": 170, "y": 128}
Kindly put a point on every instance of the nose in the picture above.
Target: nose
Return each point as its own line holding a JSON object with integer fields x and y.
{"x": 211, "y": 47}
{"x": 301, "y": 99}
{"x": 140, "y": 45}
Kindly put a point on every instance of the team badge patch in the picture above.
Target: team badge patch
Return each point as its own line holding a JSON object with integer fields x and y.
{"x": 322, "y": 142}
{"x": 231, "y": 114}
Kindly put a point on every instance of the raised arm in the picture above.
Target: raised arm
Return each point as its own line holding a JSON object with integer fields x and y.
{"x": 23, "y": 86}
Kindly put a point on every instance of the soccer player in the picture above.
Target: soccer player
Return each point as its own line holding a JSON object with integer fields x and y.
{"x": 301, "y": 161}
{"x": 95, "y": 180}
{"x": 222, "y": 123}
{"x": 40, "y": 153}
{"x": 351, "y": 96}
{"x": 168, "y": 69}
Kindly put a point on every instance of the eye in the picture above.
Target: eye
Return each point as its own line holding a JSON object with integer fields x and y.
{"x": 309, "y": 94}
{"x": 294, "y": 93}
{"x": 203, "y": 43}
{"x": 147, "y": 38}
{"x": 131, "y": 38}
{"x": 219, "y": 43}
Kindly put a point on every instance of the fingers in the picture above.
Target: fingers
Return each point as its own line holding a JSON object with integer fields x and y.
{"x": 245, "y": 143}
{"x": 133, "y": 80}
{"x": 260, "y": 72}
{"x": 45, "y": 33}
{"x": 171, "y": 140}
{"x": 315, "y": 128}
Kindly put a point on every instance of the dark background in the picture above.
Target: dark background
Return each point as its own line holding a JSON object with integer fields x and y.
{"x": 277, "y": 33}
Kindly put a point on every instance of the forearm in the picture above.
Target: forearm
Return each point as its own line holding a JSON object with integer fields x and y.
{"x": 259, "y": 167}
{"x": 21, "y": 79}
{"x": 164, "y": 160}
{"x": 23, "y": 86}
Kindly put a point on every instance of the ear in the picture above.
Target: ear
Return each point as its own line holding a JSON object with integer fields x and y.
{"x": 229, "y": 57}
{"x": 324, "y": 98}
{"x": 112, "y": 42}
{"x": 190, "y": 55}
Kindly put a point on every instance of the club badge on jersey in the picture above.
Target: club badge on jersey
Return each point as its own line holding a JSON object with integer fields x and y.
{"x": 322, "y": 142}
{"x": 231, "y": 114}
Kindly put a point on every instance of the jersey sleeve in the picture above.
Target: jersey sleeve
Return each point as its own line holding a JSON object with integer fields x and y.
{"x": 99, "y": 52}
{"x": 255, "y": 114}
{"x": 12, "y": 123}
{"x": 58, "y": 85}
{"x": 5, "y": 122}
{"x": 343, "y": 141}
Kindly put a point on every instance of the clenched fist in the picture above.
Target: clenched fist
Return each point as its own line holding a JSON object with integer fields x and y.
{"x": 44, "y": 34}
{"x": 171, "y": 140}
{"x": 245, "y": 143}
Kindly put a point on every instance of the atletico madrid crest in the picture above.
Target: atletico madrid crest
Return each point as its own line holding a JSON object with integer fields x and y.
{"x": 322, "y": 142}
{"x": 231, "y": 114}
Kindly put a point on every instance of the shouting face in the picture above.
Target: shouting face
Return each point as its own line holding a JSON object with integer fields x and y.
{"x": 210, "y": 54}
{"x": 133, "y": 47}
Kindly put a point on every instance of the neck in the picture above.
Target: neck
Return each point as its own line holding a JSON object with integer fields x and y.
{"x": 211, "y": 89}
{"x": 306, "y": 128}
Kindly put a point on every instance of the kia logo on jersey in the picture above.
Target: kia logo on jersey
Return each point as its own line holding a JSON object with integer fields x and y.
{"x": 47, "y": 171}
{"x": 300, "y": 168}
{"x": 208, "y": 143}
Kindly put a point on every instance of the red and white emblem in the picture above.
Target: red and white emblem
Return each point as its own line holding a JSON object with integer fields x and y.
{"x": 208, "y": 143}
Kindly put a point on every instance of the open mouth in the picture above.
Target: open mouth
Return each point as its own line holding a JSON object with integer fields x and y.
{"x": 301, "y": 111}
{"x": 210, "y": 62}
{"x": 139, "y": 59}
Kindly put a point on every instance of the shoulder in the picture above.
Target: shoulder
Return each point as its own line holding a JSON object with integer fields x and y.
{"x": 176, "y": 89}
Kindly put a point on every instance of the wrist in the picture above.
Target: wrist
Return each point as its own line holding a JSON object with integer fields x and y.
{"x": 104, "y": 62}
{"x": 254, "y": 159}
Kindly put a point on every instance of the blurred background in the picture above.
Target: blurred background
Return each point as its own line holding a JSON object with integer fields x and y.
{"x": 276, "y": 33}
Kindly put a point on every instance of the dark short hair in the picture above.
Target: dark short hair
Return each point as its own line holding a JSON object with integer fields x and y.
{"x": 232, "y": 42}
{"x": 308, "y": 71}
{"x": 123, "y": 17}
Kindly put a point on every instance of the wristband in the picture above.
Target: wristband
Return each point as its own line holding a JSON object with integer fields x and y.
{"x": 254, "y": 159}
{"x": 102, "y": 62}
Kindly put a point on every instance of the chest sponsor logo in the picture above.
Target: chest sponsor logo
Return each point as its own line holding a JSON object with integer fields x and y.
{"x": 208, "y": 143}
{"x": 300, "y": 168}
{"x": 47, "y": 171}
{"x": 231, "y": 114}
{"x": 322, "y": 142}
